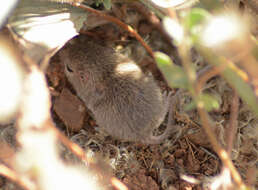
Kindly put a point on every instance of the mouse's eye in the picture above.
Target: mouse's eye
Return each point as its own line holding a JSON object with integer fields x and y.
{"x": 69, "y": 69}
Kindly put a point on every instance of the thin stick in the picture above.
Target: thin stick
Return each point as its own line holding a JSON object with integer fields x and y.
{"x": 219, "y": 150}
{"x": 11, "y": 175}
{"x": 118, "y": 184}
{"x": 232, "y": 128}
{"x": 76, "y": 149}
{"x": 207, "y": 126}
{"x": 225, "y": 158}
{"x": 119, "y": 23}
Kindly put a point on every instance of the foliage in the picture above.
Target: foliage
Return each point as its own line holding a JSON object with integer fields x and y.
{"x": 194, "y": 24}
{"x": 107, "y": 3}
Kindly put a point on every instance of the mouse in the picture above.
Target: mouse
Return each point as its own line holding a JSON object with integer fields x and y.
{"x": 126, "y": 103}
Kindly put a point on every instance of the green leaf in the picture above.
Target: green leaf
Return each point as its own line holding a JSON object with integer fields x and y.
{"x": 193, "y": 22}
{"x": 243, "y": 89}
{"x": 174, "y": 75}
{"x": 209, "y": 102}
{"x": 163, "y": 59}
{"x": 107, "y": 4}
{"x": 190, "y": 106}
{"x": 195, "y": 17}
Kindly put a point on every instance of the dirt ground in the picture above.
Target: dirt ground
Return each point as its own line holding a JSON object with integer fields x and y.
{"x": 187, "y": 152}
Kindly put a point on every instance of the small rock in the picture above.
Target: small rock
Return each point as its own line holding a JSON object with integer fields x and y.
{"x": 70, "y": 109}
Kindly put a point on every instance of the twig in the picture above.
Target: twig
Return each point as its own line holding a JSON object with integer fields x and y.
{"x": 219, "y": 150}
{"x": 119, "y": 23}
{"x": 76, "y": 149}
{"x": 232, "y": 128}
{"x": 118, "y": 184}
{"x": 225, "y": 158}
{"x": 203, "y": 76}
{"x": 11, "y": 175}
{"x": 190, "y": 147}
{"x": 28, "y": 124}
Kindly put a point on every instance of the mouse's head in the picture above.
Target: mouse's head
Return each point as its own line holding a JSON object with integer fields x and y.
{"x": 87, "y": 64}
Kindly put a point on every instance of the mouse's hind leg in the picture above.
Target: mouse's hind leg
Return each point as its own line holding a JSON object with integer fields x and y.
{"x": 170, "y": 108}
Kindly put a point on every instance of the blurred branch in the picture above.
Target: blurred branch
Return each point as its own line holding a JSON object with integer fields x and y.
{"x": 36, "y": 131}
{"x": 203, "y": 76}
{"x": 207, "y": 126}
{"x": 236, "y": 78}
{"x": 76, "y": 149}
{"x": 223, "y": 155}
{"x": 12, "y": 175}
{"x": 219, "y": 150}
{"x": 233, "y": 122}
{"x": 118, "y": 184}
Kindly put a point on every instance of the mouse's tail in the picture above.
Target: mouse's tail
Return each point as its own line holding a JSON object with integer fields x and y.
{"x": 167, "y": 133}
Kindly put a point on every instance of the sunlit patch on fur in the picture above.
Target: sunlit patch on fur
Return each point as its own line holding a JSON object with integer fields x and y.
{"x": 129, "y": 68}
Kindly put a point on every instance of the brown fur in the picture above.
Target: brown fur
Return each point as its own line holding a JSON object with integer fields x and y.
{"x": 126, "y": 104}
